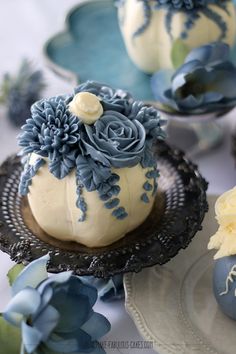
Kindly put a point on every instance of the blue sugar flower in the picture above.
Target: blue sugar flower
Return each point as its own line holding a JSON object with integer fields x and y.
{"x": 204, "y": 83}
{"x": 111, "y": 99}
{"x": 150, "y": 118}
{"x": 53, "y": 132}
{"x": 91, "y": 173}
{"x": 114, "y": 140}
{"x": 55, "y": 314}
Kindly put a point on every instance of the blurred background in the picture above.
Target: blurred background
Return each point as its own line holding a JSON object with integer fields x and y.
{"x": 25, "y": 25}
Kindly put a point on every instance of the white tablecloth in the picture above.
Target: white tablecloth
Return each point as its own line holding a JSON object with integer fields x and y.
{"x": 24, "y": 26}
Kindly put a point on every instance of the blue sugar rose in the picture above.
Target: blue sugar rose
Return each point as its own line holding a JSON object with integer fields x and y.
{"x": 114, "y": 140}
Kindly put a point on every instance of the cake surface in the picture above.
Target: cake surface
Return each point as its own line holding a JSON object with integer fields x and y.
{"x": 89, "y": 170}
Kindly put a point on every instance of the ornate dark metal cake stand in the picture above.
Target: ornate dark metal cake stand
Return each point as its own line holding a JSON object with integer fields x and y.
{"x": 177, "y": 215}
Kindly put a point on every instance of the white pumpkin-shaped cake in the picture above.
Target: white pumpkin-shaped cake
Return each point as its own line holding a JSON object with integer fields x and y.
{"x": 151, "y": 27}
{"x": 90, "y": 174}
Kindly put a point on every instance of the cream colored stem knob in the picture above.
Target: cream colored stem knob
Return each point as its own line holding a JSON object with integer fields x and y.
{"x": 87, "y": 107}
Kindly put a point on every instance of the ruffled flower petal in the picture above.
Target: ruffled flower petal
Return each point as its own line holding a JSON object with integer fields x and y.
{"x": 31, "y": 337}
{"x": 160, "y": 83}
{"x": 96, "y": 326}
{"x": 46, "y": 321}
{"x": 32, "y": 275}
{"x": 24, "y": 303}
{"x": 66, "y": 304}
{"x": 209, "y": 54}
{"x": 60, "y": 278}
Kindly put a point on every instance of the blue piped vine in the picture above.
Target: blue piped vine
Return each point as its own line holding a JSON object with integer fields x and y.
{"x": 29, "y": 172}
{"x": 192, "y": 8}
{"x": 122, "y": 137}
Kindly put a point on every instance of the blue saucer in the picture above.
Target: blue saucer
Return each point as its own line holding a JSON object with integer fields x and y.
{"x": 91, "y": 47}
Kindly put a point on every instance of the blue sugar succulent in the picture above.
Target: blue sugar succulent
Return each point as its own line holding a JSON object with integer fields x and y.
{"x": 55, "y": 314}
{"x": 204, "y": 83}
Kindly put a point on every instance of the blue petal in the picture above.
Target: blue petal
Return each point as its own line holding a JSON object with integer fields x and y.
{"x": 25, "y": 303}
{"x": 57, "y": 279}
{"x": 160, "y": 82}
{"x": 188, "y": 68}
{"x": 83, "y": 288}
{"x": 178, "y": 82}
{"x": 191, "y": 101}
{"x": 47, "y": 321}
{"x": 31, "y": 338}
{"x": 46, "y": 296}
{"x": 108, "y": 289}
{"x": 32, "y": 275}
{"x": 210, "y": 97}
{"x": 97, "y": 326}
{"x": 74, "y": 310}
{"x": 209, "y": 53}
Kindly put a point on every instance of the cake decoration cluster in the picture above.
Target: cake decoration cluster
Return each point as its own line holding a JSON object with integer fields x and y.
{"x": 94, "y": 131}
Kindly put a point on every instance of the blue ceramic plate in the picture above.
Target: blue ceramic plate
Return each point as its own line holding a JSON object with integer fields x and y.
{"x": 91, "y": 47}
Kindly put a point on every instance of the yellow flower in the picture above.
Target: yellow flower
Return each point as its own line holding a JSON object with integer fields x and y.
{"x": 224, "y": 240}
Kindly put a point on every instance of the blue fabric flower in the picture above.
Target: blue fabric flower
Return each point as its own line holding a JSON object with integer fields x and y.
{"x": 204, "y": 83}
{"x": 55, "y": 314}
{"x": 114, "y": 140}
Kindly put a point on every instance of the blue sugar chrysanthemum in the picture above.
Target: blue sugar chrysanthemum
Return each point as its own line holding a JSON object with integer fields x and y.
{"x": 52, "y": 132}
